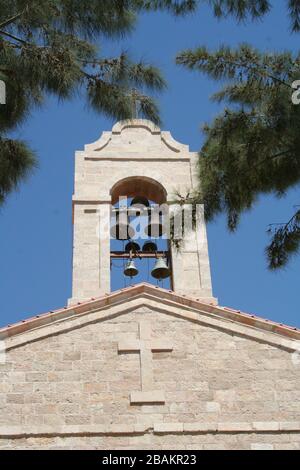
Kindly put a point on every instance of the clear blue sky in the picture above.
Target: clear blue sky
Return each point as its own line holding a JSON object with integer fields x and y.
{"x": 36, "y": 228}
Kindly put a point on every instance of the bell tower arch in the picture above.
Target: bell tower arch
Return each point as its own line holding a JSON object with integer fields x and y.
{"x": 134, "y": 160}
{"x": 138, "y": 185}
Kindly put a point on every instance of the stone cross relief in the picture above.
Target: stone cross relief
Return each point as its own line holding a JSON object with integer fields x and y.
{"x": 146, "y": 346}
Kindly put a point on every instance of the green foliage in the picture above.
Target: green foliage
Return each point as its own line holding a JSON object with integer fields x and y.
{"x": 294, "y": 12}
{"x": 254, "y": 9}
{"x": 50, "y": 47}
{"x": 240, "y": 9}
{"x": 253, "y": 147}
{"x": 175, "y": 7}
{"x": 286, "y": 241}
{"x": 15, "y": 160}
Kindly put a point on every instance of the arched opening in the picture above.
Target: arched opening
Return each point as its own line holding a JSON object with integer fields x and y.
{"x": 139, "y": 186}
{"x": 131, "y": 253}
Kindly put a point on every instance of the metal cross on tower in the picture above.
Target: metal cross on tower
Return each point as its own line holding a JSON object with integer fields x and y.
{"x": 135, "y": 105}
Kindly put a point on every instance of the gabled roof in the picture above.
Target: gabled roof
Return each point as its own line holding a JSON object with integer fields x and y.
{"x": 166, "y": 301}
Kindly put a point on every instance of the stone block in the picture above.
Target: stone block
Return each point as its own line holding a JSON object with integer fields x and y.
{"x": 266, "y": 426}
{"x": 213, "y": 407}
{"x": 16, "y": 398}
{"x": 162, "y": 428}
{"x": 262, "y": 447}
{"x": 200, "y": 427}
{"x": 144, "y": 398}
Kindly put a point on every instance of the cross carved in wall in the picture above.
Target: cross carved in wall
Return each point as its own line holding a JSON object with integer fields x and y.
{"x": 146, "y": 346}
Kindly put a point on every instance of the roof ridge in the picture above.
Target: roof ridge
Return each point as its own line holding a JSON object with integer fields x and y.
{"x": 141, "y": 287}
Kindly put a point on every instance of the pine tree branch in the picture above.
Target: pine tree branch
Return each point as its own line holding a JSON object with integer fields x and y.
{"x": 272, "y": 157}
{"x": 285, "y": 225}
{"x": 285, "y": 242}
{"x": 190, "y": 199}
{"x": 190, "y": 60}
{"x": 15, "y": 38}
{"x": 11, "y": 20}
{"x": 261, "y": 72}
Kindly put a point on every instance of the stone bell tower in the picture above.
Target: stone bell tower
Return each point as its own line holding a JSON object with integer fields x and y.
{"x": 135, "y": 158}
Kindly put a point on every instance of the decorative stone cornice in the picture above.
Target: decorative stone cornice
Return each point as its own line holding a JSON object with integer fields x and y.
{"x": 92, "y": 150}
{"x": 135, "y": 123}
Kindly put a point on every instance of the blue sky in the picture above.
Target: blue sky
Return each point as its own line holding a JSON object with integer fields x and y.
{"x": 35, "y": 223}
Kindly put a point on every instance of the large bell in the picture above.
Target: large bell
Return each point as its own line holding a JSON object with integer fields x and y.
{"x": 155, "y": 228}
{"x": 130, "y": 269}
{"x": 139, "y": 206}
{"x": 120, "y": 226}
{"x": 122, "y": 232}
{"x": 160, "y": 270}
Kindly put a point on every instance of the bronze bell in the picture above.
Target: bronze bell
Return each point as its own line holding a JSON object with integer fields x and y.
{"x": 120, "y": 225}
{"x": 139, "y": 207}
{"x": 130, "y": 269}
{"x": 155, "y": 228}
{"x": 160, "y": 270}
{"x": 132, "y": 246}
{"x": 150, "y": 247}
{"x": 140, "y": 201}
{"x": 122, "y": 231}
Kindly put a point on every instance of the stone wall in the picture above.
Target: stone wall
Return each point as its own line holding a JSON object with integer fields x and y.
{"x": 221, "y": 390}
{"x": 228, "y": 441}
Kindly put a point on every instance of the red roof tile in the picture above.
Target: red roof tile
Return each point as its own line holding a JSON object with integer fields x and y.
{"x": 242, "y": 317}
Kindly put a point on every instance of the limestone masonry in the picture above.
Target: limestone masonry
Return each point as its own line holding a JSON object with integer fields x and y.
{"x": 139, "y": 153}
{"x": 145, "y": 367}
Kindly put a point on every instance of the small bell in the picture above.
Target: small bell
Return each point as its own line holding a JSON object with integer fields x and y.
{"x": 150, "y": 247}
{"x": 160, "y": 270}
{"x": 130, "y": 269}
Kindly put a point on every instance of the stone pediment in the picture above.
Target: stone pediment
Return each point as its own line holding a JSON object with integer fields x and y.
{"x": 150, "y": 298}
{"x": 138, "y": 138}
{"x": 147, "y": 366}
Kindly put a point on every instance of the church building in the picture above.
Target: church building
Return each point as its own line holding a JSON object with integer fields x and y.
{"x": 148, "y": 359}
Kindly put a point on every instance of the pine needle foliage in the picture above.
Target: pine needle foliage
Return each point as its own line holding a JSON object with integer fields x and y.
{"x": 54, "y": 47}
{"x": 253, "y": 147}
